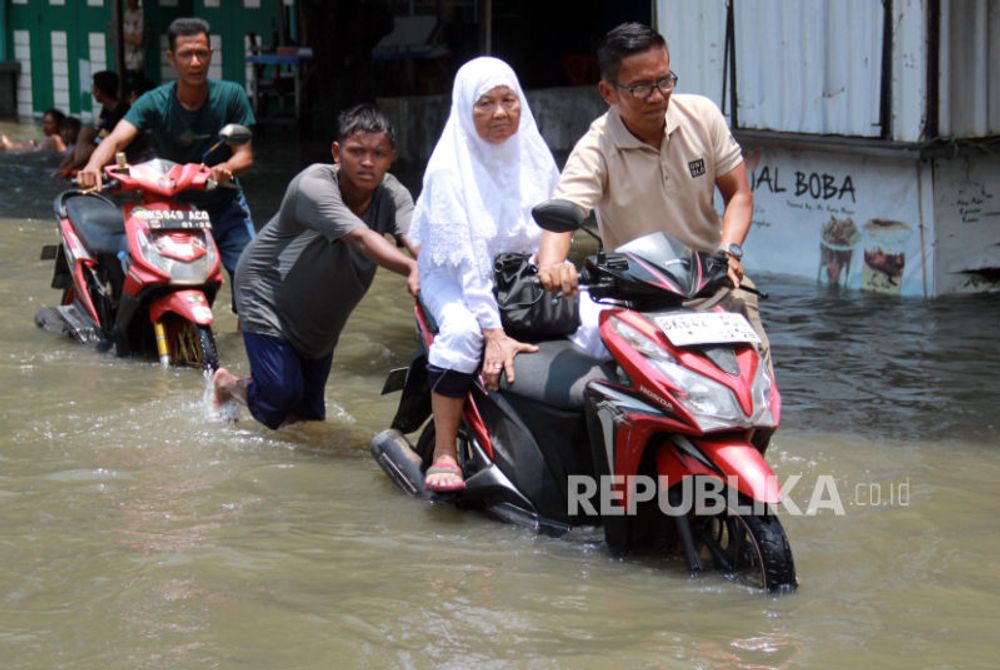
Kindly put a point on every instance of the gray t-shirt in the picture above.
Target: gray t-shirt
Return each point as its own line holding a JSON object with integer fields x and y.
{"x": 297, "y": 279}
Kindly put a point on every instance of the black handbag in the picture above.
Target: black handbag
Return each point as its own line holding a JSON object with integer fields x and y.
{"x": 527, "y": 310}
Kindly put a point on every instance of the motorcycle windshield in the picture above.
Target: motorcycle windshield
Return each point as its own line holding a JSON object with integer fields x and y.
{"x": 670, "y": 257}
{"x": 152, "y": 170}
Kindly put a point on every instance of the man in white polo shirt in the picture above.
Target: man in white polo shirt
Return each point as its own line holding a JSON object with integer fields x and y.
{"x": 652, "y": 163}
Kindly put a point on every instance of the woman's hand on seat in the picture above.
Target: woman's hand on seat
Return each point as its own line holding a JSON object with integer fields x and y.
{"x": 499, "y": 356}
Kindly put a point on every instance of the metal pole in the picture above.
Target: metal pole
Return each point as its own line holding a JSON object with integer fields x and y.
{"x": 118, "y": 30}
{"x": 281, "y": 24}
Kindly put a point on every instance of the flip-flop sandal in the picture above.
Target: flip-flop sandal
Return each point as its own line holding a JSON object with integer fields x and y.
{"x": 444, "y": 469}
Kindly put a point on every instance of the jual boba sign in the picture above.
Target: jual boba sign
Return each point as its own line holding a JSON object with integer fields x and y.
{"x": 847, "y": 221}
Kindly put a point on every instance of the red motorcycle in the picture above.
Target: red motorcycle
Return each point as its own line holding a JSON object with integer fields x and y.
{"x": 140, "y": 272}
{"x": 663, "y": 445}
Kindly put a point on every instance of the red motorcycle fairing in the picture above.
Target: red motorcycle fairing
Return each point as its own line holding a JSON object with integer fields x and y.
{"x": 633, "y": 428}
{"x": 79, "y": 259}
{"x": 142, "y": 272}
{"x": 732, "y": 457}
{"x": 626, "y": 426}
{"x": 179, "y": 178}
{"x": 655, "y": 386}
{"x": 188, "y": 304}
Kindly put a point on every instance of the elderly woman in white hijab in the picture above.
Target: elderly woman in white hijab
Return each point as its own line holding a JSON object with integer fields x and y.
{"x": 489, "y": 168}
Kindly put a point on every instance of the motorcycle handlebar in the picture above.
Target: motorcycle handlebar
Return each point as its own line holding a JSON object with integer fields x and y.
{"x": 106, "y": 185}
{"x": 584, "y": 276}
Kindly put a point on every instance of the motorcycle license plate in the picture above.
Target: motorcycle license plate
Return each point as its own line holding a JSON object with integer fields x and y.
{"x": 706, "y": 328}
{"x": 173, "y": 219}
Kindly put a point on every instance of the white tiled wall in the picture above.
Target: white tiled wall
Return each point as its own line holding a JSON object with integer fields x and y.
{"x": 60, "y": 71}
{"x": 248, "y": 68}
{"x": 97, "y": 43}
{"x": 22, "y": 54}
{"x": 98, "y": 52}
{"x": 215, "y": 69}
{"x": 167, "y": 73}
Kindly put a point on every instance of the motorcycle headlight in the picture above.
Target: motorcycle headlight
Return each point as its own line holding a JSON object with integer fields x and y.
{"x": 639, "y": 342}
{"x": 711, "y": 404}
{"x": 762, "y": 390}
{"x": 193, "y": 272}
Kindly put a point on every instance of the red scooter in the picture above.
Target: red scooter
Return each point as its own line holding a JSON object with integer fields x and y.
{"x": 663, "y": 445}
{"x": 139, "y": 274}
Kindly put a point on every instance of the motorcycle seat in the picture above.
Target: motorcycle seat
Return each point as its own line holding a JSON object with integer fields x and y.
{"x": 100, "y": 224}
{"x": 557, "y": 374}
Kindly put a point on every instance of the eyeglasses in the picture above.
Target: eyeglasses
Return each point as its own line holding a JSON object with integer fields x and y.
{"x": 187, "y": 55}
{"x": 643, "y": 91}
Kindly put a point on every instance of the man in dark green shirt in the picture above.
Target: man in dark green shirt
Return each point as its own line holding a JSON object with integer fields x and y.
{"x": 184, "y": 118}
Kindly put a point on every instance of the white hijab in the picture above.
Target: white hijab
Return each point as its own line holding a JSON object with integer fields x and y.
{"x": 477, "y": 197}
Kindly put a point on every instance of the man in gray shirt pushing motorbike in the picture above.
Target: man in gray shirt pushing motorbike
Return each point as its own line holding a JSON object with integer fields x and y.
{"x": 302, "y": 276}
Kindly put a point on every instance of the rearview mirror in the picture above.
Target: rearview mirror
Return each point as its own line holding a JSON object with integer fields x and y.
{"x": 235, "y": 135}
{"x": 557, "y": 216}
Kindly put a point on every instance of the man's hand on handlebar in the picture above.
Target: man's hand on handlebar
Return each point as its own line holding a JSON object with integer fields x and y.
{"x": 560, "y": 277}
{"x": 735, "y": 271}
{"x": 89, "y": 178}
{"x": 221, "y": 174}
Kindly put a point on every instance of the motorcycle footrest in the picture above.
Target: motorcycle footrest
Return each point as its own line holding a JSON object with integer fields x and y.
{"x": 396, "y": 380}
{"x": 78, "y": 325}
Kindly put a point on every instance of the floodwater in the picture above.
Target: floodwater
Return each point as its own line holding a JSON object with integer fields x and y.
{"x": 139, "y": 532}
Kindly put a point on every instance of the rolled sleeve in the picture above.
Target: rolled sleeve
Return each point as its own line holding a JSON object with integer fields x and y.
{"x": 728, "y": 153}
{"x": 320, "y": 206}
{"x": 583, "y": 180}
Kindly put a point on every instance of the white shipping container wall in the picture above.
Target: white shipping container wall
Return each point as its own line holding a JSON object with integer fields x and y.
{"x": 809, "y": 66}
{"x": 970, "y": 75}
{"x": 695, "y": 34}
{"x": 909, "y": 70}
{"x": 967, "y": 216}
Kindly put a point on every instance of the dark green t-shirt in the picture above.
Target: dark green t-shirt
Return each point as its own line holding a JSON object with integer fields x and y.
{"x": 184, "y": 136}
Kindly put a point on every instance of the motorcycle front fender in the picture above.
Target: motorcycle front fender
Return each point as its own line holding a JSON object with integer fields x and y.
{"x": 727, "y": 459}
{"x": 188, "y": 304}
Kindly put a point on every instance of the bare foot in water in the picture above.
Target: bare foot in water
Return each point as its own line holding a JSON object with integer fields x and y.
{"x": 228, "y": 386}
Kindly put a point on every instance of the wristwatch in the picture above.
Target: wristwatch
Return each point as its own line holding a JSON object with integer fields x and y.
{"x": 734, "y": 250}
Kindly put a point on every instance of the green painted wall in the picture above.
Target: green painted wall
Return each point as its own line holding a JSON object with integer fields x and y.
{"x": 5, "y": 33}
{"x": 233, "y": 26}
{"x": 232, "y": 20}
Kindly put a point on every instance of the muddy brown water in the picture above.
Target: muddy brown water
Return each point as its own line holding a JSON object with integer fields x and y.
{"x": 140, "y": 532}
